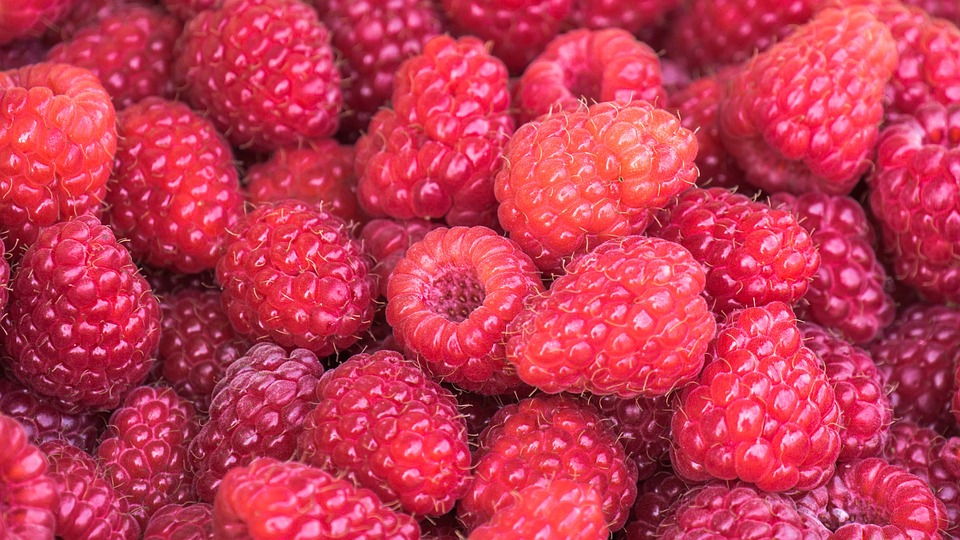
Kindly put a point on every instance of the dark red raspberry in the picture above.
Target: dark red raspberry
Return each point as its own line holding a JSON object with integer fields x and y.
{"x": 387, "y": 241}
{"x": 633, "y": 16}
{"x": 947, "y": 9}
{"x": 26, "y": 18}
{"x": 804, "y": 114}
{"x": 384, "y": 425}
{"x": 436, "y": 153}
{"x": 258, "y": 409}
{"x": 23, "y": 52}
{"x": 478, "y": 409}
{"x": 44, "y": 422}
{"x": 30, "y": 501}
{"x": 90, "y": 12}
{"x": 627, "y": 318}
{"x": 170, "y": 282}
{"x": 643, "y": 428}
{"x": 450, "y": 300}
{"x": 90, "y": 508}
{"x": 295, "y": 275}
{"x": 562, "y": 508}
{"x": 591, "y": 65}
{"x": 763, "y": 411}
{"x": 181, "y": 522}
{"x": 543, "y": 439}
{"x": 656, "y": 499}
{"x": 187, "y": 9}
{"x": 262, "y": 70}
{"x": 83, "y": 325}
{"x": 272, "y": 500}
{"x": 574, "y": 180}
{"x": 753, "y": 254}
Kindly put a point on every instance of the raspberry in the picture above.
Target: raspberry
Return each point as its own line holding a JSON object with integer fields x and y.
{"x": 56, "y": 148}
{"x": 763, "y": 411}
{"x": 632, "y": 16}
{"x": 26, "y": 18}
{"x": 294, "y": 274}
{"x": 656, "y": 498}
{"x": 44, "y": 422}
{"x": 574, "y": 180}
{"x": 435, "y": 154}
{"x": 90, "y": 12}
{"x": 643, "y": 428}
{"x": 804, "y": 114}
{"x": 591, "y": 65}
{"x": 83, "y": 325}
{"x": 90, "y": 508}
{"x": 130, "y": 50}
{"x": 541, "y": 440}
{"x": 477, "y": 410}
{"x": 387, "y": 241}
{"x": 946, "y": 9}
{"x": 262, "y": 70}
{"x": 181, "y": 522}
{"x": 375, "y": 416}
{"x": 22, "y": 53}
{"x": 560, "y": 509}
{"x": 450, "y": 300}
{"x": 272, "y": 500}
{"x": 753, "y": 254}
{"x": 175, "y": 192}
{"x": 187, "y": 9}
{"x": 626, "y": 319}
{"x": 915, "y": 196}
{"x": 30, "y": 499}
{"x": 258, "y": 409}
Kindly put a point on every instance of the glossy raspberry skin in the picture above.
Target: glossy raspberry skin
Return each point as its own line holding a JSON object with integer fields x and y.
{"x": 915, "y": 196}
{"x": 574, "y": 180}
{"x": 57, "y": 143}
{"x": 627, "y": 319}
{"x": 262, "y": 70}
{"x": 561, "y": 509}
{"x": 591, "y": 66}
{"x": 763, "y": 411}
{"x": 23, "y": 18}
{"x": 387, "y": 241}
{"x": 44, "y": 422}
{"x": 83, "y": 325}
{"x": 381, "y": 423}
{"x": 435, "y": 154}
{"x": 804, "y": 115}
{"x": 90, "y": 508}
{"x": 533, "y": 442}
{"x": 272, "y": 500}
{"x": 753, "y": 254}
{"x": 450, "y": 300}
{"x": 643, "y": 428}
{"x": 258, "y": 410}
{"x": 632, "y": 16}
{"x": 295, "y": 275}
{"x": 175, "y": 192}
{"x": 30, "y": 499}
{"x": 181, "y": 522}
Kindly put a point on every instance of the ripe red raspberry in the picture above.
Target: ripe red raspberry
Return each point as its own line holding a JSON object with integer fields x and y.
{"x": 595, "y": 65}
{"x": 56, "y": 148}
{"x": 656, "y": 498}
{"x": 533, "y": 443}
{"x": 44, "y": 422}
{"x": 89, "y": 12}
{"x": 83, "y": 325}
{"x": 387, "y": 241}
{"x": 30, "y": 499}
{"x": 851, "y": 292}
{"x": 435, "y": 154}
{"x": 262, "y": 70}
{"x": 130, "y": 50}
{"x": 627, "y": 318}
{"x": 917, "y": 356}
{"x": 295, "y": 275}
{"x": 450, "y": 300}
{"x": 319, "y": 173}
{"x": 915, "y": 196}
{"x": 258, "y": 409}
{"x": 90, "y": 508}
{"x": 574, "y": 180}
{"x": 381, "y": 423}
{"x": 804, "y": 115}
{"x": 187, "y": 9}
{"x": 175, "y": 192}
{"x": 26, "y": 18}
{"x": 181, "y": 522}
{"x": 753, "y": 254}
{"x": 633, "y": 16}
{"x": 642, "y": 426}
{"x": 272, "y": 500}
{"x": 560, "y": 509}
{"x": 763, "y": 411}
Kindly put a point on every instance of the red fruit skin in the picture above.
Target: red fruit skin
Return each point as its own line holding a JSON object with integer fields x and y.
{"x": 530, "y": 443}
{"x": 387, "y": 241}
{"x": 22, "y": 52}
{"x": 295, "y": 275}
{"x": 30, "y": 18}
{"x": 642, "y": 426}
{"x": 763, "y": 411}
{"x": 627, "y": 319}
{"x": 90, "y": 12}
{"x": 631, "y": 16}
{"x": 804, "y": 115}
{"x": 90, "y": 508}
{"x": 450, "y": 300}
{"x": 57, "y": 143}
{"x": 374, "y": 413}
{"x": 187, "y": 9}
{"x": 560, "y": 509}
{"x": 592, "y": 66}
{"x": 262, "y": 70}
{"x": 574, "y": 180}
{"x": 175, "y": 192}
{"x": 656, "y": 499}
{"x": 938, "y": 8}
{"x": 29, "y": 506}
{"x": 83, "y": 325}
{"x": 44, "y": 422}
{"x": 477, "y": 410}
{"x": 192, "y": 521}
{"x": 273, "y": 500}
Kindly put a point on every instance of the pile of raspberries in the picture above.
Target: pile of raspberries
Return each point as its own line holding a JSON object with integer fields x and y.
{"x": 479, "y": 269}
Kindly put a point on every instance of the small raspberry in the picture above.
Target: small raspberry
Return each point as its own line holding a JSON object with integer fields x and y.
{"x": 657, "y": 496}
{"x": 30, "y": 18}
{"x": 181, "y": 522}
{"x": 44, "y": 422}
{"x": 633, "y": 16}
{"x": 387, "y": 241}
{"x": 30, "y": 501}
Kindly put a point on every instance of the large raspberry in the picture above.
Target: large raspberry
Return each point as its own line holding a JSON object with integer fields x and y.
{"x": 44, "y": 422}
{"x": 181, "y": 522}
{"x": 627, "y": 318}
{"x": 643, "y": 428}
{"x": 29, "y": 498}
{"x": 561, "y": 509}
{"x": 21, "y": 18}
{"x": 631, "y": 15}
{"x": 83, "y": 325}
{"x": 574, "y": 180}
{"x": 387, "y": 241}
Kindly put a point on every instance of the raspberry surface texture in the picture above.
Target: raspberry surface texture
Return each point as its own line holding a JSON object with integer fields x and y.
{"x": 43, "y": 421}
{"x": 30, "y": 501}
{"x": 561, "y": 509}
{"x": 181, "y": 522}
